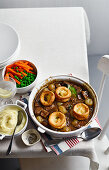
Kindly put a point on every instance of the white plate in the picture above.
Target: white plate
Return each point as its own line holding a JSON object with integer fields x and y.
{"x": 9, "y": 43}
{"x": 9, "y": 61}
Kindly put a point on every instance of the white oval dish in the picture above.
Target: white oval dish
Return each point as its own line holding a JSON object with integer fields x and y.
{"x": 27, "y": 88}
{"x": 26, "y": 135}
{"x": 53, "y": 133}
{"x": 10, "y": 44}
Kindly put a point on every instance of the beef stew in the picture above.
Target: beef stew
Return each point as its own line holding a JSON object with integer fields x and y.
{"x": 63, "y": 105}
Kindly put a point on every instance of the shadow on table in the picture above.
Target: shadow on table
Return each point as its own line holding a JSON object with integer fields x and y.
{"x": 9, "y": 164}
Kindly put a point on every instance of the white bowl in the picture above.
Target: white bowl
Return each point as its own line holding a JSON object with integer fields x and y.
{"x": 27, "y": 133}
{"x": 27, "y": 88}
{"x": 53, "y": 133}
{"x": 22, "y": 107}
{"x": 9, "y": 44}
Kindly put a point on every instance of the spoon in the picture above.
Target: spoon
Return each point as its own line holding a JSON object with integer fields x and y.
{"x": 88, "y": 134}
{"x": 19, "y": 120}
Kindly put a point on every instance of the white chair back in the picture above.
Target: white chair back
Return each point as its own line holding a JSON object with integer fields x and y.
{"x": 103, "y": 65}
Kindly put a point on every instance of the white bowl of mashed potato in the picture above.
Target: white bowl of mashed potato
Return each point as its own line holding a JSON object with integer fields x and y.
{"x": 8, "y": 119}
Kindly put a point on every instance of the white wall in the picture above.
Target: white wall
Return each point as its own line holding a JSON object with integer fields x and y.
{"x": 97, "y": 11}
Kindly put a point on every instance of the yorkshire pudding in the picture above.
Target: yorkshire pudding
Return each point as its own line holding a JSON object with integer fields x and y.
{"x": 47, "y": 98}
{"x": 63, "y": 100}
{"x": 81, "y": 111}
{"x": 57, "y": 120}
{"x": 63, "y": 93}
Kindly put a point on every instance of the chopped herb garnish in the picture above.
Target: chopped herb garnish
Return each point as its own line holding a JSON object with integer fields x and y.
{"x": 73, "y": 90}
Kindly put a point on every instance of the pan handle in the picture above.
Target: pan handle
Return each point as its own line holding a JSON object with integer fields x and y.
{"x": 41, "y": 130}
{"x": 2, "y": 136}
{"x": 21, "y": 104}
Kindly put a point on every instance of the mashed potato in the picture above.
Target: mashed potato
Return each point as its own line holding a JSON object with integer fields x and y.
{"x": 8, "y": 120}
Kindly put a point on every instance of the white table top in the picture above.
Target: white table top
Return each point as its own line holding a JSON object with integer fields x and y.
{"x": 55, "y": 39}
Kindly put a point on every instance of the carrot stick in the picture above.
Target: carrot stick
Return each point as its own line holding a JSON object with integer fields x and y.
{"x": 31, "y": 72}
{"x": 23, "y": 66}
{"x": 24, "y": 74}
{"x": 21, "y": 71}
{"x": 22, "y": 62}
{"x": 14, "y": 72}
{"x": 11, "y": 75}
{"x": 9, "y": 66}
{"x": 26, "y": 62}
{"x": 26, "y": 69}
{"x": 18, "y": 82}
{"x": 6, "y": 77}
